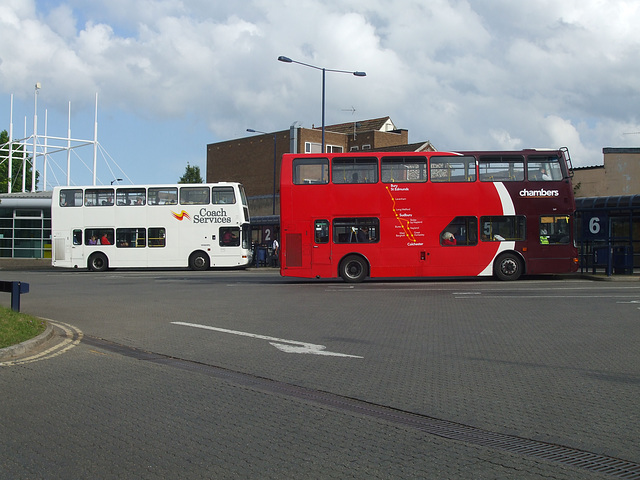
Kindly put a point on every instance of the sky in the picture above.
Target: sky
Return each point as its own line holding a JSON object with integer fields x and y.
{"x": 172, "y": 76}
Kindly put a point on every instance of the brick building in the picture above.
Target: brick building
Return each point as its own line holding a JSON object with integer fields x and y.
{"x": 618, "y": 175}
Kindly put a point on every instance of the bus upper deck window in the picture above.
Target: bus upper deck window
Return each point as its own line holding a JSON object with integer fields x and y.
{"x": 95, "y": 197}
{"x": 310, "y": 171}
{"x": 223, "y": 195}
{"x": 453, "y": 169}
{"x": 403, "y": 169}
{"x": 71, "y": 197}
{"x": 354, "y": 170}
{"x": 163, "y": 196}
{"x": 194, "y": 195}
{"x": 131, "y": 196}
{"x": 502, "y": 168}
{"x": 544, "y": 168}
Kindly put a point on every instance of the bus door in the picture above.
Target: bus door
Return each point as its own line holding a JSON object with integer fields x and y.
{"x": 550, "y": 246}
{"x": 321, "y": 248}
{"x": 74, "y": 250}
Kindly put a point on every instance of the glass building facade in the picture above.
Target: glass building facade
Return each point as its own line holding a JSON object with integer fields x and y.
{"x": 25, "y": 225}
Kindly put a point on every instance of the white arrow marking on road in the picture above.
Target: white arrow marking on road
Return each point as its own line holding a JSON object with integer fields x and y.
{"x": 287, "y": 346}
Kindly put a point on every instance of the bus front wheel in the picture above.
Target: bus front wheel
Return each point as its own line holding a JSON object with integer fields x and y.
{"x": 353, "y": 269}
{"x": 508, "y": 266}
{"x": 98, "y": 262}
{"x": 199, "y": 261}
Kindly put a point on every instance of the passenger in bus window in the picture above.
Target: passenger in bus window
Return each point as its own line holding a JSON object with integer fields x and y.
{"x": 363, "y": 235}
{"x": 104, "y": 240}
{"x": 93, "y": 240}
{"x": 448, "y": 238}
{"x": 545, "y": 175}
{"x": 228, "y": 237}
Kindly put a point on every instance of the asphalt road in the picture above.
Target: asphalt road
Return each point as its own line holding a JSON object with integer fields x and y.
{"x": 243, "y": 374}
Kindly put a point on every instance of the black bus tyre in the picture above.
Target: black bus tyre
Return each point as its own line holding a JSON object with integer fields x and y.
{"x": 199, "y": 261}
{"x": 353, "y": 269}
{"x": 98, "y": 262}
{"x": 508, "y": 266}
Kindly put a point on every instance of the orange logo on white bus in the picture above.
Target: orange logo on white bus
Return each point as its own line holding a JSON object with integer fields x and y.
{"x": 180, "y": 216}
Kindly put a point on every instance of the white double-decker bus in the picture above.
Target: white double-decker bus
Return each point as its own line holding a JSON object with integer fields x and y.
{"x": 183, "y": 225}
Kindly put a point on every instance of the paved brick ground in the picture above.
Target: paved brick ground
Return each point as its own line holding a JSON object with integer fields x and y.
{"x": 91, "y": 414}
{"x": 555, "y": 361}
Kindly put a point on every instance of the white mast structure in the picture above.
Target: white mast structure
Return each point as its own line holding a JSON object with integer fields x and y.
{"x": 10, "y": 164}
{"x": 56, "y": 145}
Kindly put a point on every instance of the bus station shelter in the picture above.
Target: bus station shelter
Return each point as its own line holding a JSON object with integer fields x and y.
{"x": 609, "y": 233}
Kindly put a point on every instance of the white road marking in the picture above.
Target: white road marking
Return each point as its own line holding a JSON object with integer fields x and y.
{"x": 287, "y": 346}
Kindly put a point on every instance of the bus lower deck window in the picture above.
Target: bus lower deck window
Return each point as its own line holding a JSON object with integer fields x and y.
{"x": 502, "y": 228}
{"x": 356, "y": 230}
{"x": 157, "y": 237}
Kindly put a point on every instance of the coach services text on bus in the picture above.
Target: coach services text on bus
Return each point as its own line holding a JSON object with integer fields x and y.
{"x": 427, "y": 214}
{"x": 197, "y": 226}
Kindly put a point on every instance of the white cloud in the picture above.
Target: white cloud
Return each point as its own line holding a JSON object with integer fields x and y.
{"x": 461, "y": 73}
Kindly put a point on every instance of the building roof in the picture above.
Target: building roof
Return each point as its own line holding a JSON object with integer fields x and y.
{"x": 26, "y": 199}
{"x": 383, "y": 124}
{"x": 613, "y": 201}
{"x": 40, "y": 194}
{"x": 410, "y": 147}
{"x": 606, "y": 150}
{"x": 588, "y": 167}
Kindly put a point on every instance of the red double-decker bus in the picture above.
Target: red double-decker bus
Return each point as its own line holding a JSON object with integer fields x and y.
{"x": 427, "y": 214}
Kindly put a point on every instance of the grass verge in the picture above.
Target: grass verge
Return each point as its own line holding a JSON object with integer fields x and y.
{"x": 17, "y": 327}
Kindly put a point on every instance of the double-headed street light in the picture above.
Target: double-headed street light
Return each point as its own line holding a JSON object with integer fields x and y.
{"x": 357, "y": 74}
{"x": 274, "y": 163}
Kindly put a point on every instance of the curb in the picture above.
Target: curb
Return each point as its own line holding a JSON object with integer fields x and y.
{"x": 612, "y": 278}
{"x": 26, "y": 346}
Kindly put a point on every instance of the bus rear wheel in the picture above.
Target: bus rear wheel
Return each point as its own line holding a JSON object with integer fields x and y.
{"x": 353, "y": 269}
{"x": 508, "y": 266}
{"x": 199, "y": 261}
{"x": 98, "y": 262}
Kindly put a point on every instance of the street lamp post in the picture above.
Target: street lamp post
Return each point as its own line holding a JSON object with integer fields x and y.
{"x": 324, "y": 70}
{"x": 274, "y": 164}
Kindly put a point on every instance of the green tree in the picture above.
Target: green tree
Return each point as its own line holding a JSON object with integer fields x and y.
{"x": 191, "y": 175}
{"x": 16, "y": 166}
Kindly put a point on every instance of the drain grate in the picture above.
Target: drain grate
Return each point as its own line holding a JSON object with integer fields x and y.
{"x": 592, "y": 462}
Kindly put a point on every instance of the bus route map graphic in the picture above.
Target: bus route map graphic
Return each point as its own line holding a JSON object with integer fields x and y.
{"x": 404, "y": 222}
{"x": 180, "y": 216}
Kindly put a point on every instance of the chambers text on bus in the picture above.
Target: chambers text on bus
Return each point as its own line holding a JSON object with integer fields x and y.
{"x": 539, "y": 193}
